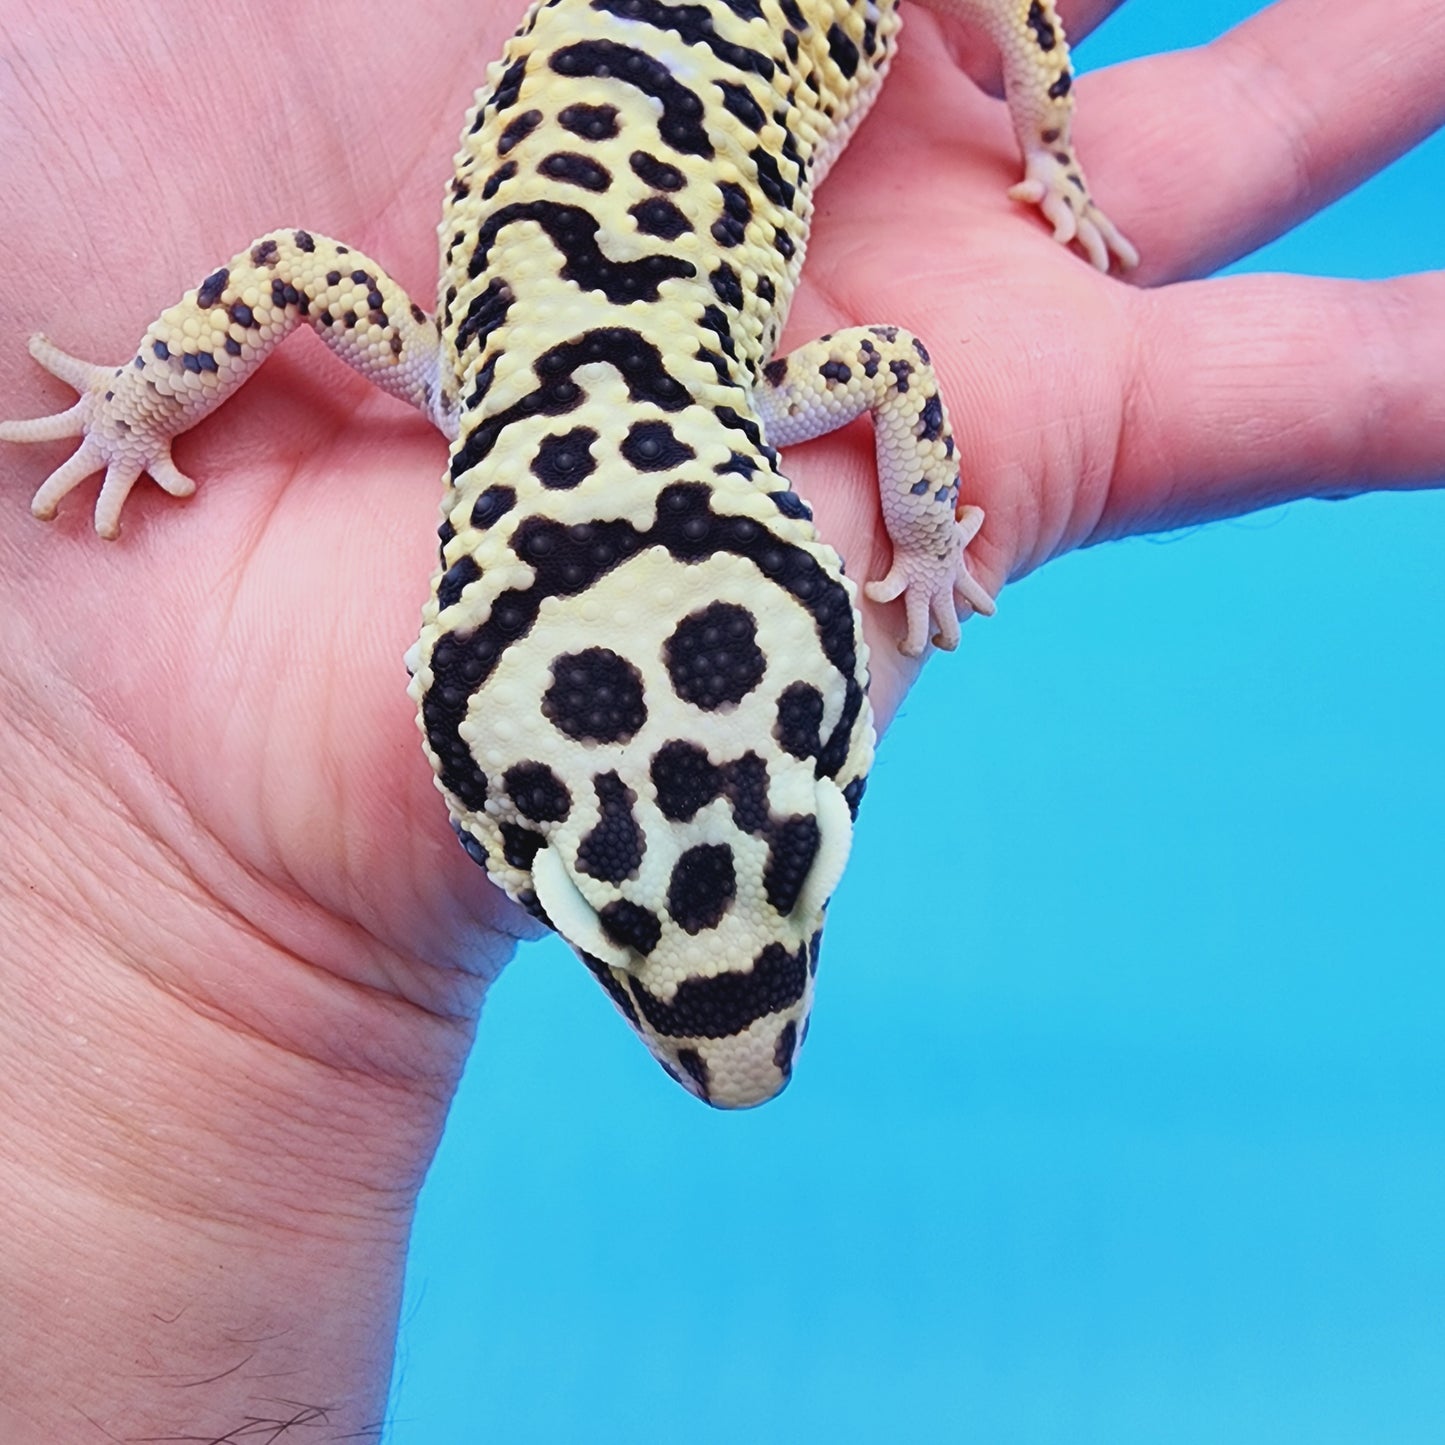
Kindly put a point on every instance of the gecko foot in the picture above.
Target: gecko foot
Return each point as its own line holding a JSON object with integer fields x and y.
{"x": 111, "y": 420}
{"x": 936, "y": 592}
{"x": 1057, "y": 187}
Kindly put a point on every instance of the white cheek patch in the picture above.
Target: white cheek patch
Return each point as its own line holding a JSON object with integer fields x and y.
{"x": 570, "y": 913}
{"x": 835, "y": 840}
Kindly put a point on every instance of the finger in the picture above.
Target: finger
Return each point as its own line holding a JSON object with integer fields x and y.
{"x": 1255, "y": 390}
{"x": 1218, "y": 150}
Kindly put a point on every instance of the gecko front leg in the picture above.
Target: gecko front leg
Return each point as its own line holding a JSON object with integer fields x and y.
{"x": 887, "y": 372}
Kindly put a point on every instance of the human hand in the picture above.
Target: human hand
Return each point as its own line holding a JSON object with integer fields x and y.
{"x": 316, "y": 904}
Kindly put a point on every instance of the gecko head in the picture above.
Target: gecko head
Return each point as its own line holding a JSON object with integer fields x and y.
{"x": 663, "y": 766}
{"x": 709, "y": 951}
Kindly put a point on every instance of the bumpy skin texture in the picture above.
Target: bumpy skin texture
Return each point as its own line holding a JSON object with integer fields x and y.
{"x": 641, "y": 678}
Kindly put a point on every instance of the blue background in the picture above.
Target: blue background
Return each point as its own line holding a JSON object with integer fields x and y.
{"x": 1123, "y": 1114}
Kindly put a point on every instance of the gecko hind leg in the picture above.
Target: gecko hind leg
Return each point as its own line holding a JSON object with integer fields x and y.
{"x": 199, "y": 351}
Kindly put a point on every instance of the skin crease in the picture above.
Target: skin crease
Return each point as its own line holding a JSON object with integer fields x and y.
{"x": 244, "y": 955}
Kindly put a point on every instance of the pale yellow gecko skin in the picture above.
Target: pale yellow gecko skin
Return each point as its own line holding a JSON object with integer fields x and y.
{"x": 641, "y": 678}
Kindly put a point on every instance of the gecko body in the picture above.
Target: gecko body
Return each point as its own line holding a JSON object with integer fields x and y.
{"x": 641, "y": 679}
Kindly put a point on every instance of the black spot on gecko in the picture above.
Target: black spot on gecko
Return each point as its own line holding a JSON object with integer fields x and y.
{"x": 695, "y": 1066}
{"x": 575, "y": 170}
{"x": 657, "y": 174}
{"x": 520, "y": 845}
{"x": 901, "y": 370}
{"x": 591, "y": 122}
{"x": 417, "y": 314}
{"x": 922, "y": 351}
{"x": 595, "y": 696}
{"x": 455, "y": 580}
{"x": 212, "y": 287}
{"x": 770, "y": 179}
{"x": 631, "y": 925}
{"x": 263, "y": 253}
{"x": 304, "y": 241}
{"x": 738, "y": 101}
{"x": 517, "y": 130}
{"x": 1061, "y": 87}
{"x": 791, "y": 851}
{"x": 838, "y": 371}
{"x": 718, "y": 364}
{"x": 746, "y": 782}
{"x": 494, "y": 182}
{"x": 685, "y": 779}
{"x": 650, "y": 446}
{"x": 612, "y": 851}
{"x": 800, "y": 716}
{"x": 775, "y": 372}
{"x": 713, "y": 657}
{"x": 716, "y": 320}
{"x": 283, "y": 294}
{"x": 738, "y": 464}
{"x": 785, "y": 1048}
{"x": 726, "y": 286}
{"x": 843, "y": 51}
{"x": 749, "y": 428}
{"x": 492, "y": 506}
{"x": 538, "y": 792}
{"x": 564, "y": 460}
{"x": 162, "y": 351}
{"x": 703, "y": 884}
{"x": 853, "y": 795}
{"x": 473, "y": 847}
{"x": 730, "y": 229}
{"x": 658, "y": 217}
{"x": 793, "y": 14}
{"x": 1044, "y": 32}
{"x": 790, "y": 504}
{"x": 930, "y": 419}
{"x": 727, "y": 1003}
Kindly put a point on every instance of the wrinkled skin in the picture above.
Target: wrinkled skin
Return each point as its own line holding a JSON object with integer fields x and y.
{"x": 231, "y": 885}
